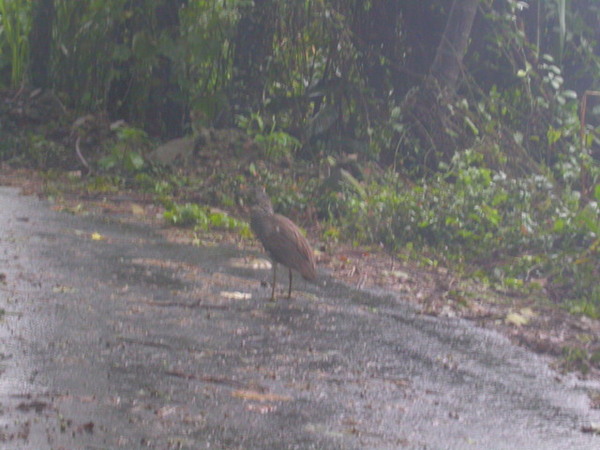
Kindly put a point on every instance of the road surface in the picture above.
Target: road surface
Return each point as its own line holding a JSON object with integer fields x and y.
{"x": 112, "y": 337}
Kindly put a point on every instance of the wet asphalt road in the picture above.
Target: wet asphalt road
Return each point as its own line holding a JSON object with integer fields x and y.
{"x": 133, "y": 342}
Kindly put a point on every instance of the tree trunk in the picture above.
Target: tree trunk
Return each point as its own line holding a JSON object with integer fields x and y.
{"x": 422, "y": 27}
{"x": 40, "y": 39}
{"x": 253, "y": 48}
{"x": 453, "y": 46}
{"x": 167, "y": 109}
{"x": 434, "y": 130}
{"x": 375, "y": 33}
{"x": 158, "y": 100}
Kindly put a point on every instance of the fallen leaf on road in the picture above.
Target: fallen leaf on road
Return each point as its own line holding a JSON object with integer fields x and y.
{"x": 97, "y": 237}
{"x": 259, "y": 397}
{"x": 250, "y": 263}
{"x": 261, "y": 264}
{"x": 236, "y": 295}
{"x": 261, "y": 409}
{"x": 137, "y": 210}
{"x": 61, "y": 289}
{"x": 399, "y": 274}
{"x": 519, "y": 318}
{"x": 88, "y": 427}
{"x": 593, "y": 428}
{"x": 165, "y": 411}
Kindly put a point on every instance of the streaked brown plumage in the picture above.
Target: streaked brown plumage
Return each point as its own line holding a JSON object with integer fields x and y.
{"x": 282, "y": 240}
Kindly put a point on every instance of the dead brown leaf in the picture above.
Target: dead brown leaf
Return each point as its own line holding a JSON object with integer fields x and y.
{"x": 260, "y": 397}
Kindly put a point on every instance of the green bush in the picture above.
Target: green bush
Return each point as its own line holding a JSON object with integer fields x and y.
{"x": 202, "y": 218}
{"x": 522, "y": 228}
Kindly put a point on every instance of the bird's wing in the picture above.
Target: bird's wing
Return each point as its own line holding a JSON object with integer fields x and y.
{"x": 288, "y": 246}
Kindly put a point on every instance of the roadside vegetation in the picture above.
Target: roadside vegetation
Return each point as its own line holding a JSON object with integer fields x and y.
{"x": 488, "y": 163}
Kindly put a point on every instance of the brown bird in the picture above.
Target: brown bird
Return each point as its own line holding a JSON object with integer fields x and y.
{"x": 282, "y": 240}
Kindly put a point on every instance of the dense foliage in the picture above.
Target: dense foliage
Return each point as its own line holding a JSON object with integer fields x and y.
{"x": 499, "y": 169}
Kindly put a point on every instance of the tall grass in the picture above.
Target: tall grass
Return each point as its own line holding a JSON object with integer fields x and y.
{"x": 15, "y": 24}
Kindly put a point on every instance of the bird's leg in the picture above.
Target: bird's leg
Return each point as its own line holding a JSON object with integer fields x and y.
{"x": 274, "y": 277}
{"x": 290, "y": 289}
